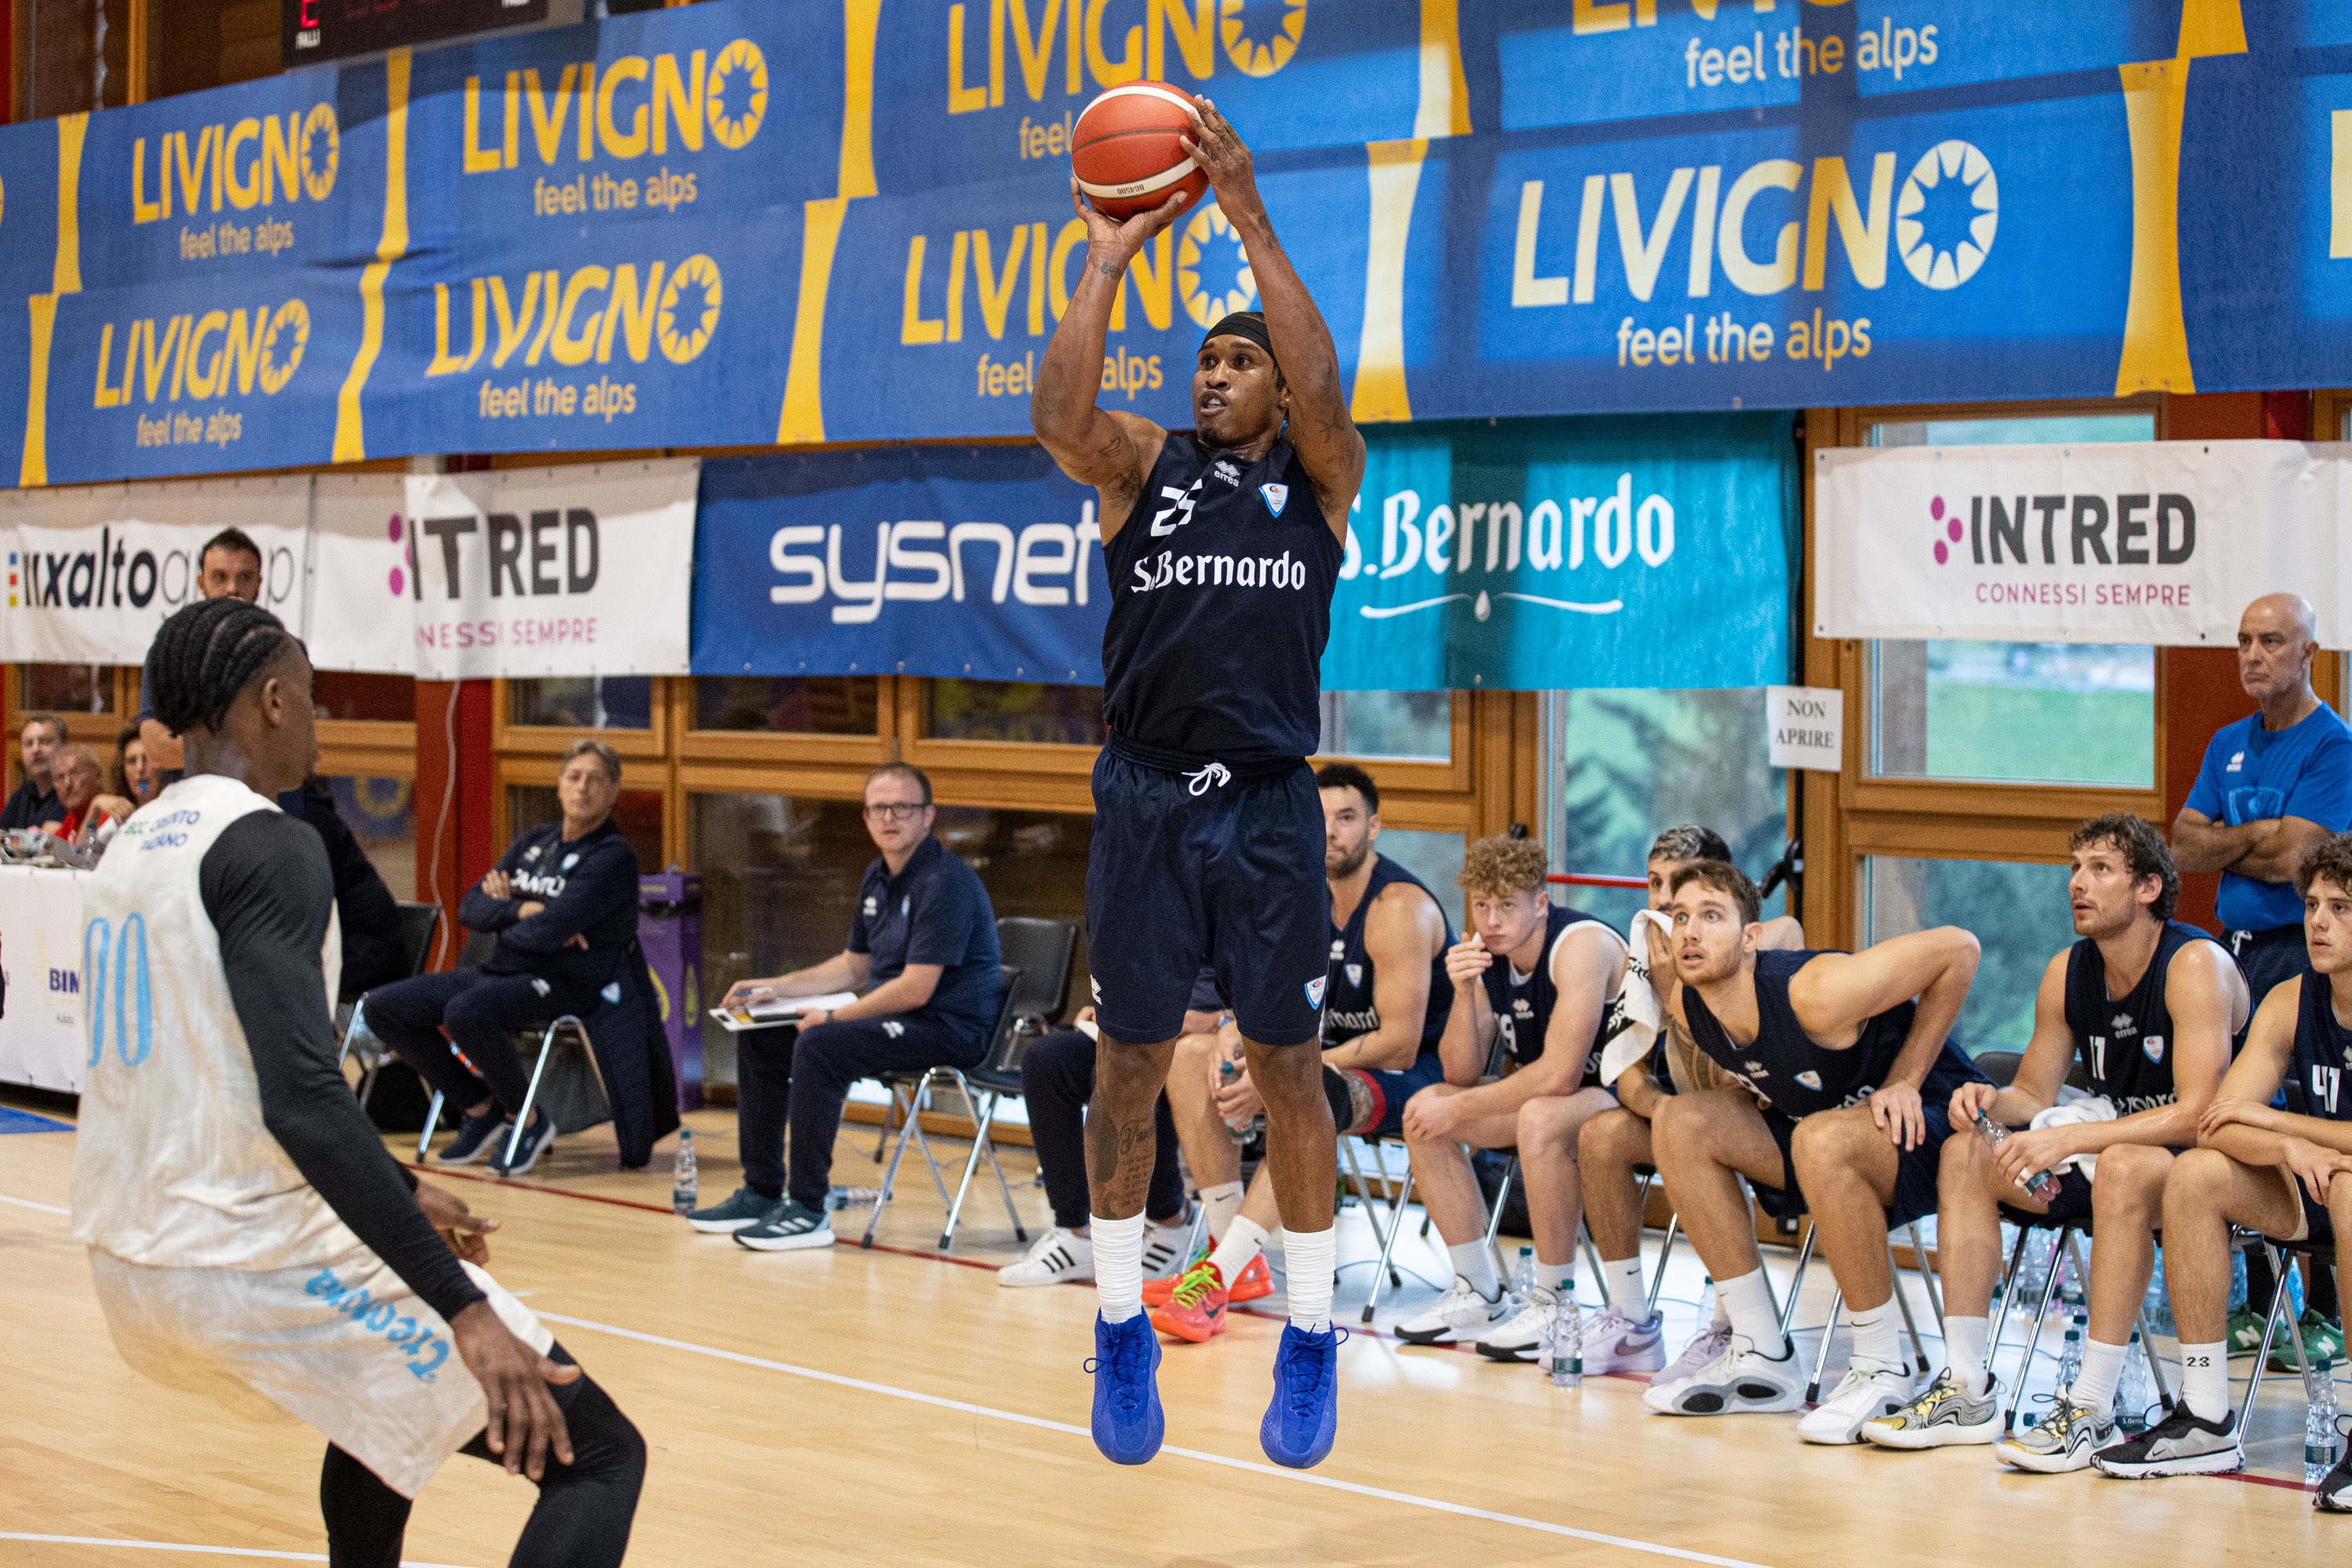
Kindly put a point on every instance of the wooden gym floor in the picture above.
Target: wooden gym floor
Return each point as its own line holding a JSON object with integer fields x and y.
{"x": 846, "y": 1407}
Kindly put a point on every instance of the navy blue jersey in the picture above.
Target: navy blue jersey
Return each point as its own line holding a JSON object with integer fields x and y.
{"x": 1350, "y": 1008}
{"x": 1220, "y": 585}
{"x": 1523, "y": 1003}
{"x": 2126, "y": 1042}
{"x": 2322, "y": 1056}
{"x": 588, "y": 886}
{"x": 933, "y": 912}
{"x": 1781, "y": 1065}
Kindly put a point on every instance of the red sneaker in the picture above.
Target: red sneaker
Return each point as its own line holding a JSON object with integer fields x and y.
{"x": 1196, "y": 1312}
{"x": 1157, "y": 1292}
{"x": 1253, "y": 1282}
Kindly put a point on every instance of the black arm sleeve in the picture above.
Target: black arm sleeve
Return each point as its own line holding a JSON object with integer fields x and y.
{"x": 267, "y": 890}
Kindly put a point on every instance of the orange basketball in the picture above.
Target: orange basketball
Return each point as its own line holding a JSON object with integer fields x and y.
{"x": 1125, "y": 151}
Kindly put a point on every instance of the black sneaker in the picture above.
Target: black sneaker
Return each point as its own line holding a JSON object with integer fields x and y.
{"x": 787, "y": 1228}
{"x": 526, "y": 1152}
{"x": 2180, "y": 1444}
{"x": 473, "y": 1139}
{"x": 2335, "y": 1493}
{"x": 743, "y": 1209}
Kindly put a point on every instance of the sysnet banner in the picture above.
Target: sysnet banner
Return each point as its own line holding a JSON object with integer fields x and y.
{"x": 804, "y": 221}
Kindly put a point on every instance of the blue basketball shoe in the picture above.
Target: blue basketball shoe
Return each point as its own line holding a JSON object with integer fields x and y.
{"x": 1128, "y": 1425}
{"x": 1304, "y": 1418}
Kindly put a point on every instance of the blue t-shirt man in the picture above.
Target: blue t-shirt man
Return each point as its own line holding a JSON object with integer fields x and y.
{"x": 2253, "y": 775}
{"x": 934, "y": 911}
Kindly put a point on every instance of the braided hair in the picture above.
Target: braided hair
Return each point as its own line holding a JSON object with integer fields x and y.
{"x": 205, "y": 655}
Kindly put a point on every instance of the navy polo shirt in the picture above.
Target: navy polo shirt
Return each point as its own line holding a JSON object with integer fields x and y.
{"x": 2253, "y": 775}
{"x": 934, "y": 911}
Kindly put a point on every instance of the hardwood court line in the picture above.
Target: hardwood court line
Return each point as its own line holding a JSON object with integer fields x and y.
{"x": 29, "y": 1204}
{"x": 1436, "y": 1505}
{"x": 176, "y": 1546}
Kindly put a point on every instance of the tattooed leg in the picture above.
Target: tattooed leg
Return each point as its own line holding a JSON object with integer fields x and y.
{"x": 1120, "y": 1137}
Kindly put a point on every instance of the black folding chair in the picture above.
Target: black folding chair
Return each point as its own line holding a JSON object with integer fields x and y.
{"x": 998, "y": 1074}
{"x": 418, "y": 925}
{"x": 1041, "y": 951}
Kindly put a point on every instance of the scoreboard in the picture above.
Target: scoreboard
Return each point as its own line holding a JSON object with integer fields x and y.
{"x": 316, "y": 31}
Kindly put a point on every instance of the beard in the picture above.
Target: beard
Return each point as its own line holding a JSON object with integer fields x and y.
{"x": 1340, "y": 870}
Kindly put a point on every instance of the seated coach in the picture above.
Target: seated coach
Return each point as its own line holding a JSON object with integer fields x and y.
{"x": 563, "y": 903}
{"x": 923, "y": 958}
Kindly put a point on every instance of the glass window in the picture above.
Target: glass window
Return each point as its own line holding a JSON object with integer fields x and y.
{"x": 784, "y": 704}
{"x": 340, "y": 694}
{"x": 381, "y": 815}
{"x": 1434, "y": 858}
{"x": 583, "y": 702}
{"x": 637, "y": 814}
{"x": 2019, "y": 915}
{"x": 2014, "y": 713}
{"x": 1409, "y": 726}
{"x": 1629, "y": 763}
{"x": 1021, "y": 711}
{"x": 65, "y": 688}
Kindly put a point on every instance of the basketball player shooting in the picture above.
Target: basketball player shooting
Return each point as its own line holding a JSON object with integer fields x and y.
{"x": 250, "y": 1238}
{"x": 1224, "y": 547}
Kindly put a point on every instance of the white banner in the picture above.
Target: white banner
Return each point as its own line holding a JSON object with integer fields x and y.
{"x": 42, "y": 1041}
{"x": 581, "y": 570}
{"x": 2141, "y": 541}
{"x": 362, "y": 575}
{"x": 93, "y": 570}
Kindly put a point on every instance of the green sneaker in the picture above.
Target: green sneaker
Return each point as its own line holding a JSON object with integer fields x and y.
{"x": 2245, "y": 1335}
{"x": 2321, "y": 1342}
{"x": 741, "y": 1210}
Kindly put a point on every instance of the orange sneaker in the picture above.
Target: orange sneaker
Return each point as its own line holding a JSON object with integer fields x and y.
{"x": 1157, "y": 1292}
{"x": 1253, "y": 1282}
{"x": 1196, "y": 1312}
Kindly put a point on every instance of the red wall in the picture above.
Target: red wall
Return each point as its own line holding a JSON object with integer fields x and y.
{"x": 453, "y": 823}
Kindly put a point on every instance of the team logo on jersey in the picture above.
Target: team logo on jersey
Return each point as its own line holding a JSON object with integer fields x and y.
{"x": 1756, "y": 1070}
{"x": 2124, "y": 1026}
{"x": 892, "y": 1028}
{"x": 1812, "y": 1080}
{"x": 873, "y": 908}
{"x": 1180, "y": 501}
{"x": 612, "y": 992}
{"x": 2153, "y": 1047}
{"x": 1339, "y": 950}
{"x": 532, "y": 853}
{"x": 1276, "y": 497}
{"x": 2237, "y": 760}
{"x": 1355, "y": 974}
{"x": 1315, "y": 991}
{"x": 1227, "y": 472}
{"x": 906, "y": 905}
{"x": 1095, "y": 985}
{"x": 570, "y": 860}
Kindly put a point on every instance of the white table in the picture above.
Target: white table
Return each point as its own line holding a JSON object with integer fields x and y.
{"x": 43, "y": 1039}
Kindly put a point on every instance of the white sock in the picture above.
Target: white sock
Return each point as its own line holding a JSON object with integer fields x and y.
{"x": 1877, "y": 1338}
{"x": 1560, "y": 1277}
{"x": 2205, "y": 1380}
{"x": 2095, "y": 1385}
{"x": 1475, "y": 1261}
{"x": 1244, "y": 1240}
{"x": 1313, "y": 1255}
{"x": 1964, "y": 1351}
{"x": 1627, "y": 1289}
{"x": 1119, "y": 1265}
{"x": 1748, "y": 1301}
{"x": 1221, "y": 1204}
{"x": 1722, "y": 1313}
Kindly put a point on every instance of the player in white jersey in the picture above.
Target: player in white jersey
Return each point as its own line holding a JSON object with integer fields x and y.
{"x": 250, "y": 1235}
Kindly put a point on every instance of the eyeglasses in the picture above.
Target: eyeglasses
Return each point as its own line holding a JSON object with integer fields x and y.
{"x": 894, "y": 812}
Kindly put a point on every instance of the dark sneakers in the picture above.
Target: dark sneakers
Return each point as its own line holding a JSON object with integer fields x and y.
{"x": 2180, "y": 1444}
{"x": 744, "y": 1209}
{"x": 2335, "y": 1493}
{"x": 533, "y": 1144}
{"x": 473, "y": 1139}
{"x": 787, "y": 1225}
{"x": 1304, "y": 1419}
{"x": 1128, "y": 1425}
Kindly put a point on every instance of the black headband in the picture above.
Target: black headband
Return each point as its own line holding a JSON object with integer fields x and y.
{"x": 1248, "y": 324}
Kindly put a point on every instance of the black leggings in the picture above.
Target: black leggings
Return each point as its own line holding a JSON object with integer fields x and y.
{"x": 584, "y": 1508}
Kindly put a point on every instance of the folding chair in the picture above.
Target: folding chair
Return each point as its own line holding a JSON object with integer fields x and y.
{"x": 1837, "y": 1307}
{"x": 2319, "y": 1252}
{"x": 2063, "y": 1251}
{"x": 419, "y": 923}
{"x": 998, "y": 1073}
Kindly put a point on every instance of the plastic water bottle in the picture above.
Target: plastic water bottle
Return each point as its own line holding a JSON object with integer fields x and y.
{"x": 2131, "y": 1388}
{"x": 1226, "y": 1072}
{"x": 1523, "y": 1273}
{"x": 2041, "y": 1187}
{"x": 1564, "y": 1356}
{"x": 2237, "y": 1282}
{"x": 681, "y": 1179}
{"x": 2158, "y": 1310}
{"x": 2319, "y": 1421}
{"x": 2070, "y": 1355}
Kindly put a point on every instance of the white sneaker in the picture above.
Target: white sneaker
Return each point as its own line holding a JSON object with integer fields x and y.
{"x": 1524, "y": 1335}
{"x": 1616, "y": 1342}
{"x": 1864, "y": 1393}
{"x": 1165, "y": 1247}
{"x": 1458, "y": 1314}
{"x": 1705, "y": 1347}
{"x": 1056, "y": 1257}
{"x": 1740, "y": 1381}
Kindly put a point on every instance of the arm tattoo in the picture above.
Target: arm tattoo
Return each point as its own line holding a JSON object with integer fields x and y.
{"x": 1107, "y": 269}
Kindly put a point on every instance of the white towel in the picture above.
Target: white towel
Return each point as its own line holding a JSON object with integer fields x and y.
{"x": 2070, "y": 1112}
{"x": 1634, "y": 1015}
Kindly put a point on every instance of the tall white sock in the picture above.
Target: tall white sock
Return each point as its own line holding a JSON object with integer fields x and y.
{"x": 1964, "y": 1351}
{"x": 1222, "y": 1203}
{"x": 2205, "y": 1380}
{"x": 1244, "y": 1240}
{"x": 1313, "y": 1255}
{"x": 1556, "y": 1276}
{"x": 2095, "y": 1385}
{"x": 1748, "y": 1300}
{"x": 1475, "y": 1261}
{"x": 1628, "y": 1291}
{"x": 1722, "y": 1318}
{"x": 1878, "y": 1336}
{"x": 1119, "y": 1265}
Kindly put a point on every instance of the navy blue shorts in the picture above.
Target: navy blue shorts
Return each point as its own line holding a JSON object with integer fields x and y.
{"x": 1230, "y": 877}
{"x": 1385, "y": 1095}
{"x": 1915, "y": 1168}
{"x": 2070, "y": 1206}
